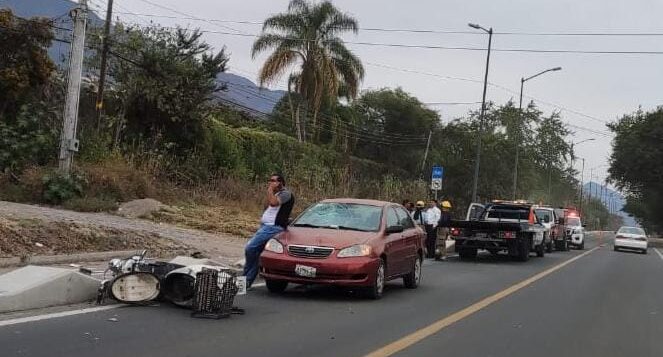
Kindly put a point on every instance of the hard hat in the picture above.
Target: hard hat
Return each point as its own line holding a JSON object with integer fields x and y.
{"x": 421, "y": 203}
{"x": 446, "y": 204}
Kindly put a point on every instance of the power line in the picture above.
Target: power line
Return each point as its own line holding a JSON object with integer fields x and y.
{"x": 431, "y": 31}
{"x": 189, "y": 15}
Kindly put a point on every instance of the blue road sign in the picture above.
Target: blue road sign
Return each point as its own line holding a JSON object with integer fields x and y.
{"x": 438, "y": 173}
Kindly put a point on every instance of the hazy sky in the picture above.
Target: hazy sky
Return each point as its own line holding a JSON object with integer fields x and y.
{"x": 598, "y": 85}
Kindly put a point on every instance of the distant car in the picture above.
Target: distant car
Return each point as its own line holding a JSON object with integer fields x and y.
{"x": 575, "y": 231}
{"x": 631, "y": 238}
{"x": 346, "y": 242}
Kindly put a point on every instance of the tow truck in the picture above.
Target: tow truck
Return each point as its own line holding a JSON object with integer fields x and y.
{"x": 510, "y": 226}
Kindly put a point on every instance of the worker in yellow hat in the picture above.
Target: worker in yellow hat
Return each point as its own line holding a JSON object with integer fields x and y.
{"x": 419, "y": 215}
{"x": 443, "y": 232}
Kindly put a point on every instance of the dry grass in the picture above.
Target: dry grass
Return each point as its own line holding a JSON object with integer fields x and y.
{"x": 214, "y": 219}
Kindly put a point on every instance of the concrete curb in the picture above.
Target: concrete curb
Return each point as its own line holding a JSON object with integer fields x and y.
{"x": 64, "y": 258}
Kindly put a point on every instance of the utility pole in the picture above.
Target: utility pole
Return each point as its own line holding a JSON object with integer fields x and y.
{"x": 68, "y": 141}
{"x": 423, "y": 162}
{"x": 102, "y": 73}
{"x": 483, "y": 111}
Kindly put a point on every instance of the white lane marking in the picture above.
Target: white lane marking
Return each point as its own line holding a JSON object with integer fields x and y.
{"x": 55, "y": 315}
{"x": 659, "y": 253}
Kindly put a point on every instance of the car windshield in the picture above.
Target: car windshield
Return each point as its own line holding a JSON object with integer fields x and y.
{"x": 632, "y": 230}
{"x": 337, "y": 215}
{"x": 544, "y": 215}
{"x": 573, "y": 221}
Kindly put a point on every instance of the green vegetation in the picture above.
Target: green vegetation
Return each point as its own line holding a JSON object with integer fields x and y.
{"x": 161, "y": 136}
{"x": 637, "y": 165}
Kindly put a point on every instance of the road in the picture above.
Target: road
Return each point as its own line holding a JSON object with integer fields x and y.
{"x": 603, "y": 303}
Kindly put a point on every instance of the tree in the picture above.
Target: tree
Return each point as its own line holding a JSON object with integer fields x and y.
{"x": 163, "y": 80}
{"x": 636, "y": 165}
{"x": 307, "y": 36}
{"x": 25, "y": 68}
{"x": 392, "y": 127}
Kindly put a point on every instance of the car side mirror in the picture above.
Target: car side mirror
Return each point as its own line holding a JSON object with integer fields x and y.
{"x": 394, "y": 229}
{"x": 560, "y": 221}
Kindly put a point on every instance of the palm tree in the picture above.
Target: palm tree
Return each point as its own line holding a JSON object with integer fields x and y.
{"x": 307, "y": 36}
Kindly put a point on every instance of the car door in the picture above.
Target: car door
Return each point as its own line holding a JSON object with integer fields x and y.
{"x": 394, "y": 244}
{"x": 412, "y": 239}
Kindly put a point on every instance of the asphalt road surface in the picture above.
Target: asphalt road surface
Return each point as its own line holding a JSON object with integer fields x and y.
{"x": 602, "y": 303}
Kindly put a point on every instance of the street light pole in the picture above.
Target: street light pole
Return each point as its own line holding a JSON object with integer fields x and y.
{"x": 520, "y": 117}
{"x": 483, "y": 110}
{"x": 582, "y": 183}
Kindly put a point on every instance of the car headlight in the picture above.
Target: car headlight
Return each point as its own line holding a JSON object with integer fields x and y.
{"x": 359, "y": 250}
{"x": 274, "y": 246}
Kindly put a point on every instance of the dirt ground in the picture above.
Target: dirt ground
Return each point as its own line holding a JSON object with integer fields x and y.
{"x": 61, "y": 231}
{"x": 20, "y": 237}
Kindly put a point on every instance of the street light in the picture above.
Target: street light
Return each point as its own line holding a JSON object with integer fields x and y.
{"x": 520, "y": 114}
{"x": 483, "y": 110}
{"x": 582, "y": 175}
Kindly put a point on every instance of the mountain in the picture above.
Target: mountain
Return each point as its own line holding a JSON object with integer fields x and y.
{"x": 245, "y": 95}
{"x": 57, "y": 10}
{"x": 609, "y": 196}
{"x": 240, "y": 93}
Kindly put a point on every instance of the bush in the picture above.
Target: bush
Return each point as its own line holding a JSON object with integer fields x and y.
{"x": 59, "y": 187}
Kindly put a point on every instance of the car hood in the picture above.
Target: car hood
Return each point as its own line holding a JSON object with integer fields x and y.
{"x": 323, "y": 237}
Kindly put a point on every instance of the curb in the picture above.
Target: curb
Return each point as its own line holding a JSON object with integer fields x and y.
{"x": 64, "y": 258}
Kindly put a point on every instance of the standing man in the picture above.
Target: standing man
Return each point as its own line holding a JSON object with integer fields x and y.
{"x": 445, "y": 219}
{"x": 419, "y": 214}
{"x": 274, "y": 221}
{"x": 409, "y": 206}
{"x": 432, "y": 220}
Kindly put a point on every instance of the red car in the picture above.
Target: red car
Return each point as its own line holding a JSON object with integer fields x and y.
{"x": 346, "y": 242}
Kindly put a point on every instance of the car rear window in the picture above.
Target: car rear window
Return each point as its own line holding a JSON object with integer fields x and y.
{"x": 631, "y": 230}
{"x": 541, "y": 214}
{"x": 508, "y": 212}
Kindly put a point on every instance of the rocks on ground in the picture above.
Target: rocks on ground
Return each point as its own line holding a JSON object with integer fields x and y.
{"x": 142, "y": 208}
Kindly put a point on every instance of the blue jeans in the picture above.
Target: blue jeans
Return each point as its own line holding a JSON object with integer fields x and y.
{"x": 253, "y": 249}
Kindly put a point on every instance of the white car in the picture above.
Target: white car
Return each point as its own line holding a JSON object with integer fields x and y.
{"x": 631, "y": 238}
{"x": 575, "y": 232}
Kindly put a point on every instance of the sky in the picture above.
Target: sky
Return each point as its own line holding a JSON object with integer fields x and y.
{"x": 590, "y": 90}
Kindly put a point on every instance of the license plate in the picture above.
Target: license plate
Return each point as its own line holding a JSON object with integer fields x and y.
{"x": 481, "y": 235}
{"x": 305, "y": 271}
{"x": 241, "y": 285}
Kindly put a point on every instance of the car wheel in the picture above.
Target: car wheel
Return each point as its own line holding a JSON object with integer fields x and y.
{"x": 276, "y": 286}
{"x": 616, "y": 248}
{"x": 644, "y": 251}
{"x": 549, "y": 247}
{"x": 582, "y": 245}
{"x": 412, "y": 280}
{"x": 375, "y": 291}
{"x": 523, "y": 250}
{"x": 540, "y": 250}
{"x": 467, "y": 253}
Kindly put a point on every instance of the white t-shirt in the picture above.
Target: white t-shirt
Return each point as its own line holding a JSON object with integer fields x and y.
{"x": 269, "y": 216}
